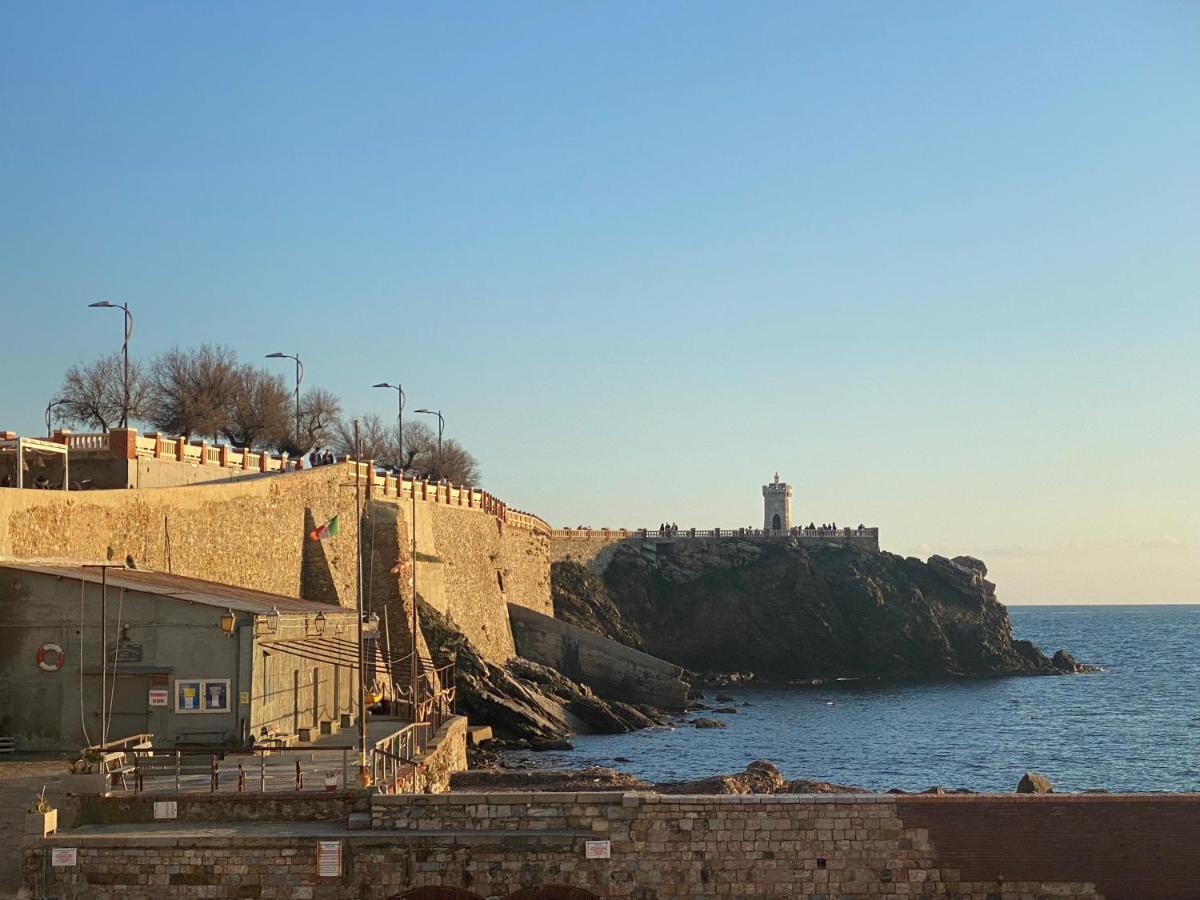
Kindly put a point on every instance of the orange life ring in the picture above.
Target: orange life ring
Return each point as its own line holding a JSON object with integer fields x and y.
{"x": 56, "y": 657}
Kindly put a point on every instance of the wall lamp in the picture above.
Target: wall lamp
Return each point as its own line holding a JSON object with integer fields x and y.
{"x": 228, "y": 622}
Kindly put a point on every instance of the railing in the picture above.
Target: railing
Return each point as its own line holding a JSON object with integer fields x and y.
{"x": 86, "y": 441}
{"x": 122, "y": 443}
{"x": 394, "y": 759}
{"x": 257, "y": 770}
{"x": 617, "y": 534}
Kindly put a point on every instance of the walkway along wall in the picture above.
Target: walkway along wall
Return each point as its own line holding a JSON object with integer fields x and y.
{"x": 594, "y": 548}
{"x": 611, "y": 669}
{"x": 980, "y": 847}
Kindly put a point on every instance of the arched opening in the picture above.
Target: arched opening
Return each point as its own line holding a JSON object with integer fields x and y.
{"x": 435, "y": 893}
{"x": 776, "y": 522}
{"x": 553, "y": 892}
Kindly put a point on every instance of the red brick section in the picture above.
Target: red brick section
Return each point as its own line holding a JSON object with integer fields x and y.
{"x": 1129, "y": 847}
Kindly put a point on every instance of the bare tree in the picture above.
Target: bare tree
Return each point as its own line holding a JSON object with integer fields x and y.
{"x": 420, "y": 446}
{"x": 192, "y": 390}
{"x": 378, "y": 440}
{"x": 94, "y": 392}
{"x": 260, "y": 412}
{"x": 320, "y": 412}
{"x": 456, "y": 464}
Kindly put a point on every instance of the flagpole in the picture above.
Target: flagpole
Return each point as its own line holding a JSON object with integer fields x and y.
{"x": 364, "y": 775}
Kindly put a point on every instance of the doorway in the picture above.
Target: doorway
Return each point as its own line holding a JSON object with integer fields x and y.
{"x": 776, "y": 523}
{"x": 316, "y": 698}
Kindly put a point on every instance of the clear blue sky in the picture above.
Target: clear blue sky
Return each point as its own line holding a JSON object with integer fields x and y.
{"x": 936, "y": 263}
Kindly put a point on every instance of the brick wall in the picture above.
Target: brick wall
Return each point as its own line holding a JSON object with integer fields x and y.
{"x": 493, "y": 845}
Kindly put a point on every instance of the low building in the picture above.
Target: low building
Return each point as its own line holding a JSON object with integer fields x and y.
{"x": 187, "y": 660}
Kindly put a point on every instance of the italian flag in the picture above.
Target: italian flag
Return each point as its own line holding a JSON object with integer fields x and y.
{"x": 329, "y": 529}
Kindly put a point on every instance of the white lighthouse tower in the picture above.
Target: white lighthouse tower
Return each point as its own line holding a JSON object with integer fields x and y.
{"x": 777, "y": 506}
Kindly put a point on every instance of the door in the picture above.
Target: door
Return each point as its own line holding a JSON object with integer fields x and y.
{"x": 295, "y": 701}
{"x": 316, "y": 699}
{"x": 337, "y": 692}
{"x": 131, "y": 711}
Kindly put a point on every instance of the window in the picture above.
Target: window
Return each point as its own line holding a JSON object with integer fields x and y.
{"x": 201, "y": 695}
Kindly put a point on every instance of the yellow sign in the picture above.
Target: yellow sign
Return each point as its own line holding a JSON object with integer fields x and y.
{"x": 244, "y": 698}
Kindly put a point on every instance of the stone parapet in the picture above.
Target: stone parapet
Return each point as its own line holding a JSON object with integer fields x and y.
{"x": 647, "y": 846}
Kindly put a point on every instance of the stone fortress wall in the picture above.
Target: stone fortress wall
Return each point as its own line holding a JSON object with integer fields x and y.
{"x": 474, "y": 554}
{"x": 594, "y": 547}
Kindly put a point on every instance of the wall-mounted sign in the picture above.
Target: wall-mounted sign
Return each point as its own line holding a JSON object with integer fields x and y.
{"x": 166, "y": 809}
{"x": 597, "y": 849}
{"x": 64, "y": 856}
{"x": 329, "y": 859}
{"x": 125, "y": 651}
{"x": 244, "y": 698}
{"x": 201, "y": 695}
{"x": 159, "y": 697}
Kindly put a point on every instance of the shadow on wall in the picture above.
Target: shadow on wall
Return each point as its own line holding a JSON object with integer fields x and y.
{"x": 316, "y": 575}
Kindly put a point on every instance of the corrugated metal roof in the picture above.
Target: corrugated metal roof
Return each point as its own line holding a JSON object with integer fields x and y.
{"x": 179, "y": 587}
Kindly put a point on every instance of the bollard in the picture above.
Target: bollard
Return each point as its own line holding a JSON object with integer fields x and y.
{"x": 241, "y": 779}
{"x": 262, "y": 773}
{"x": 178, "y": 763}
{"x": 213, "y": 774}
{"x": 299, "y": 777}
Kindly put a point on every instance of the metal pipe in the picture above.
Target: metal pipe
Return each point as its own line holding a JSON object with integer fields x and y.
{"x": 364, "y": 774}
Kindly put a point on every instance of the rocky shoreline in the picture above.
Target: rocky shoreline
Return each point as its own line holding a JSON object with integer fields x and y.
{"x": 796, "y": 615}
{"x": 759, "y": 777}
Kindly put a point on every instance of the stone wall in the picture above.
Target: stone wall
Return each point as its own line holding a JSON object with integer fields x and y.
{"x": 613, "y": 670}
{"x": 595, "y": 549}
{"x": 977, "y": 847}
{"x": 474, "y": 555}
{"x": 284, "y": 806}
{"x": 445, "y": 755}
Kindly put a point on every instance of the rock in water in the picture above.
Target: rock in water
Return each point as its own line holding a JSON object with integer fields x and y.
{"x": 708, "y": 723}
{"x": 1065, "y": 662}
{"x": 1033, "y": 783}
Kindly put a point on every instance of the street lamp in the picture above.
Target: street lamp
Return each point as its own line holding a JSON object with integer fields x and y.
{"x": 105, "y": 304}
{"x": 299, "y": 378}
{"x": 441, "y": 427}
{"x": 399, "y": 418}
{"x": 50, "y": 406}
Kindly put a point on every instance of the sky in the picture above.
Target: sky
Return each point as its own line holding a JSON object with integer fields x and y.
{"x": 937, "y": 264}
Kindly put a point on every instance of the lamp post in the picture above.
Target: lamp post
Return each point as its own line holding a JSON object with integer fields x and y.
{"x": 441, "y": 427}
{"x": 105, "y": 304}
{"x": 399, "y": 419}
{"x": 299, "y": 378}
{"x": 49, "y": 407}
{"x": 364, "y": 773}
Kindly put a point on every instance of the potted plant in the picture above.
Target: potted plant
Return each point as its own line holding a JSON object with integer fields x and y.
{"x": 41, "y": 819}
{"x": 87, "y": 775}
{"x": 331, "y": 781}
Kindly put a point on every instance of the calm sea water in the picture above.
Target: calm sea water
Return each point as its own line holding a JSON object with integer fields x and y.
{"x": 1133, "y": 727}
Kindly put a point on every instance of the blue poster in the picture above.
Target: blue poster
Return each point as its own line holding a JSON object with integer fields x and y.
{"x": 187, "y": 696}
{"x": 216, "y": 696}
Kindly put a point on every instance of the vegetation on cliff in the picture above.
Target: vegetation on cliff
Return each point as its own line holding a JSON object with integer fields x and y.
{"x": 789, "y": 611}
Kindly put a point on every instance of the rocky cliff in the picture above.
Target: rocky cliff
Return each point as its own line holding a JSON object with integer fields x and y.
{"x": 785, "y": 611}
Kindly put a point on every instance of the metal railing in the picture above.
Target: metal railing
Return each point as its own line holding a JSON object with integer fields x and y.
{"x": 255, "y": 770}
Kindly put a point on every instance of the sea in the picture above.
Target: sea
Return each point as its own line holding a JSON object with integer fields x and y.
{"x": 1134, "y": 726}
